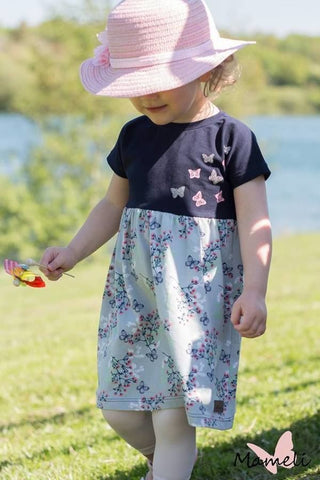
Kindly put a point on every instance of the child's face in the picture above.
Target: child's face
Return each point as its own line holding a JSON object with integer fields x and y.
{"x": 181, "y": 105}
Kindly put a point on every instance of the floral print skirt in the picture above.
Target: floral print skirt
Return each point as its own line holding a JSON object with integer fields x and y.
{"x": 165, "y": 335}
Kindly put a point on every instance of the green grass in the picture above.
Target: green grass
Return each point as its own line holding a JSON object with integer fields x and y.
{"x": 51, "y": 428}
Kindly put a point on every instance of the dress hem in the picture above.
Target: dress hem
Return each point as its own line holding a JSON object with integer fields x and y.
{"x": 193, "y": 420}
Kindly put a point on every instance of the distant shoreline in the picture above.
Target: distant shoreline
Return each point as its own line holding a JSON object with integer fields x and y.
{"x": 280, "y": 76}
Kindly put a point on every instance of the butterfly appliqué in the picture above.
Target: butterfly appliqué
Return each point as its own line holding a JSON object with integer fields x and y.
{"x": 219, "y": 197}
{"x": 178, "y": 192}
{"x": 199, "y": 199}
{"x": 194, "y": 173}
{"x": 215, "y": 178}
{"x": 208, "y": 158}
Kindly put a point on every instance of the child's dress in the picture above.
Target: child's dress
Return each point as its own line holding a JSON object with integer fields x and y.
{"x": 165, "y": 335}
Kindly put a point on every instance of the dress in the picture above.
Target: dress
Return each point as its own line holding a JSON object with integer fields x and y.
{"x": 165, "y": 337}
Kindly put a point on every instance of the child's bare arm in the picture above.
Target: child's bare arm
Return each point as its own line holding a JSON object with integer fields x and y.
{"x": 249, "y": 312}
{"x": 101, "y": 224}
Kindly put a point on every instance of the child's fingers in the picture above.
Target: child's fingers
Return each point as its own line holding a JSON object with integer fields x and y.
{"x": 251, "y": 327}
{"x": 56, "y": 275}
{"x": 48, "y": 256}
{"x": 56, "y": 264}
{"x": 52, "y": 263}
{"x": 236, "y": 314}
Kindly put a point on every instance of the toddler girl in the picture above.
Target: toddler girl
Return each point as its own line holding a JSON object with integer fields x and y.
{"x": 189, "y": 271}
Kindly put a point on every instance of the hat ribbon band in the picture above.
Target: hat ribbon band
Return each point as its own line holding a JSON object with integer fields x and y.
{"x": 163, "y": 57}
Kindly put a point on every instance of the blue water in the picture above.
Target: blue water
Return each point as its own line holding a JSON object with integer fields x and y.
{"x": 18, "y": 135}
{"x": 291, "y": 146}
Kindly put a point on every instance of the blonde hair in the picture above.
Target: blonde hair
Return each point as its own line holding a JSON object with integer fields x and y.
{"x": 222, "y": 76}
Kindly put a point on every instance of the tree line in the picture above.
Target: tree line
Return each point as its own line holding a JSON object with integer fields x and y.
{"x": 39, "y": 72}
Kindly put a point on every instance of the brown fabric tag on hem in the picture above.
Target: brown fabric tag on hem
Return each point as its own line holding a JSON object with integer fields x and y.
{"x": 218, "y": 406}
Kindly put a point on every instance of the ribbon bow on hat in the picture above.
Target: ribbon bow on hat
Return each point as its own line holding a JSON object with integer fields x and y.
{"x": 102, "y": 52}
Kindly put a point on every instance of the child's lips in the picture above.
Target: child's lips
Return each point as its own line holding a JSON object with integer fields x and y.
{"x": 155, "y": 109}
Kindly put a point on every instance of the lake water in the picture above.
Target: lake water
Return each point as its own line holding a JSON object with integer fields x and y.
{"x": 291, "y": 146}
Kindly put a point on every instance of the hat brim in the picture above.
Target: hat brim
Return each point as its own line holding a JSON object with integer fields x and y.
{"x": 135, "y": 82}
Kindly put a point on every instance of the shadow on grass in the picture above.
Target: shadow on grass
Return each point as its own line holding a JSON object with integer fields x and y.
{"x": 215, "y": 462}
{"x": 290, "y": 362}
{"x": 48, "y": 452}
{"x": 219, "y": 463}
{"x": 293, "y": 388}
{"x": 41, "y": 421}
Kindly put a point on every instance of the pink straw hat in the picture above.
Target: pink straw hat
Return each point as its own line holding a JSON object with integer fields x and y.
{"x": 155, "y": 45}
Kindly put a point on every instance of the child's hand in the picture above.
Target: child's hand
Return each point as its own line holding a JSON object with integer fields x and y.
{"x": 56, "y": 261}
{"x": 249, "y": 314}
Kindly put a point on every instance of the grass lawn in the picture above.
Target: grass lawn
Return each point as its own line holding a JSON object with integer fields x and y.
{"x": 51, "y": 429}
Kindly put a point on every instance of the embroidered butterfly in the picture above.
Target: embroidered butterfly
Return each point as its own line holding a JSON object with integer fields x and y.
{"x": 191, "y": 262}
{"x": 137, "y": 307}
{"x": 208, "y": 158}
{"x": 178, "y": 192}
{"x": 226, "y": 150}
{"x": 142, "y": 388}
{"x": 215, "y": 178}
{"x": 219, "y": 197}
{"x": 199, "y": 199}
{"x": 152, "y": 355}
{"x": 194, "y": 173}
{"x": 22, "y": 274}
{"x": 283, "y": 455}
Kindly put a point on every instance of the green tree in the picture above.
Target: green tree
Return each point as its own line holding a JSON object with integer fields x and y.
{"x": 285, "y": 68}
{"x": 60, "y": 182}
{"x": 20, "y": 220}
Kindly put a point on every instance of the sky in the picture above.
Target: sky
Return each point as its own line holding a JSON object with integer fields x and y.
{"x": 280, "y": 17}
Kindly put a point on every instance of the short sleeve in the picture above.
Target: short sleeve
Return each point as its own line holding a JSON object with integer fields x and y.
{"x": 114, "y": 159}
{"x": 245, "y": 161}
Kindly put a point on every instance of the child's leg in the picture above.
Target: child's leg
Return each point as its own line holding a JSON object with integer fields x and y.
{"x": 135, "y": 428}
{"x": 175, "y": 451}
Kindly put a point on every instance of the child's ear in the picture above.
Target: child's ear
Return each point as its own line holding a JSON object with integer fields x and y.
{"x": 205, "y": 77}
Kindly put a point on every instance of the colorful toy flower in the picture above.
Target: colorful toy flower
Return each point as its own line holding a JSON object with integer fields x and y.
{"x": 22, "y": 274}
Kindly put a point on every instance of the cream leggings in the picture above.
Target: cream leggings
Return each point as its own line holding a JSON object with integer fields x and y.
{"x": 164, "y": 433}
